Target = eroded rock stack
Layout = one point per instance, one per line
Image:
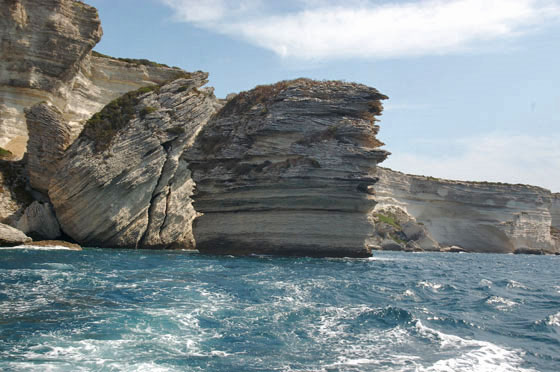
(286, 169)
(124, 182)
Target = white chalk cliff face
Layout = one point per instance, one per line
(46, 56)
(479, 217)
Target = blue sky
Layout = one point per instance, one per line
(474, 85)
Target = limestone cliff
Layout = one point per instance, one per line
(285, 169)
(49, 136)
(477, 216)
(555, 214)
(124, 182)
(45, 48)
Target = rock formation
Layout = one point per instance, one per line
(10, 236)
(555, 210)
(14, 197)
(396, 230)
(124, 182)
(476, 216)
(46, 56)
(49, 136)
(39, 222)
(54, 244)
(285, 169)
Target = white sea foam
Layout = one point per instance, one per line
(35, 248)
(55, 266)
(553, 320)
(150, 367)
(513, 284)
(433, 286)
(485, 283)
(409, 293)
(377, 258)
(474, 355)
(501, 303)
(376, 350)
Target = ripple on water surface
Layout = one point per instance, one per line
(173, 311)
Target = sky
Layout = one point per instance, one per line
(473, 85)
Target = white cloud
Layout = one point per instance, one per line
(213, 13)
(334, 28)
(497, 157)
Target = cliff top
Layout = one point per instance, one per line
(325, 90)
(137, 62)
(471, 183)
(103, 125)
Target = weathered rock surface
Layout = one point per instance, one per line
(479, 217)
(396, 230)
(55, 243)
(13, 195)
(45, 49)
(10, 236)
(285, 169)
(39, 221)
(42, 44)
(555, 215)
(49, 137)
(129, 186)
(42, 40)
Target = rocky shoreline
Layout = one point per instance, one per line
(123, 153)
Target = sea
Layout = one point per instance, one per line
(128, 310)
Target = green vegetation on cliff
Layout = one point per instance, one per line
(5, 154)
(390, 220)
(102, 126)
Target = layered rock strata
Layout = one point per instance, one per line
(49, 137)
(124, 182)
(479, 217)
(286, 169)
(46, 56)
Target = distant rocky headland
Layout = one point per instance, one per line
(123, 153)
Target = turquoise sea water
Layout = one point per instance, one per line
(105, 310)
